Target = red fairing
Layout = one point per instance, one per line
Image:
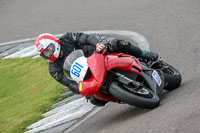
(97, 67)
(123, 62)
(99, 64)
(106, 97)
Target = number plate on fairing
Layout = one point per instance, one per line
(78, 69)
(156, 76)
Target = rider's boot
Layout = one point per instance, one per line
(97, 102)
(135, 51)
(128, 48)
(149, 55)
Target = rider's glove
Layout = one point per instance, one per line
(73, 86)
(100, 46)
(150, 55)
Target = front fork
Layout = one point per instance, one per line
(129, 82)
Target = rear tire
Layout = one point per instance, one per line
(125, 96)
(172, 78)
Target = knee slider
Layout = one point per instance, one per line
(123, 45)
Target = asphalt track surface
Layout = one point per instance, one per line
(172, 29)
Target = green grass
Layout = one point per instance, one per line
(26, 91)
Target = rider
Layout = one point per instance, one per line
(56, 50)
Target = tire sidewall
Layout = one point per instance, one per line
(127, 97)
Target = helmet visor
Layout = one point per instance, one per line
(48, 52)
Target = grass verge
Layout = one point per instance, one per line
(26, 91)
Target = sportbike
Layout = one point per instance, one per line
(122, 78)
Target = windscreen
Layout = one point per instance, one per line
(71, 58)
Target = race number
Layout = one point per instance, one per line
(156, 77)
(76, 69)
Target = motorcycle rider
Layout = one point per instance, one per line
(56, 50)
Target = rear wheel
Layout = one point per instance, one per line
(143, 98)
(172, 77)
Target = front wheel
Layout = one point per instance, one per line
(172, 77)
(143, 98)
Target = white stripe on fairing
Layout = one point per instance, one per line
(134, 36)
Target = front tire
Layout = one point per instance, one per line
(128, 97)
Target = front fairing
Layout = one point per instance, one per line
(96, 65)
(151, 81)
(99, 64)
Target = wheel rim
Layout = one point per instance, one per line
(144, 92)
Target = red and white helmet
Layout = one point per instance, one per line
(48, 46)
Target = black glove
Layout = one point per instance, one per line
(150, 56)
(73, 86)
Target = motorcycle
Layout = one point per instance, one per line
(121, 78)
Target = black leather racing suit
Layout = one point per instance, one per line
(87, 42)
